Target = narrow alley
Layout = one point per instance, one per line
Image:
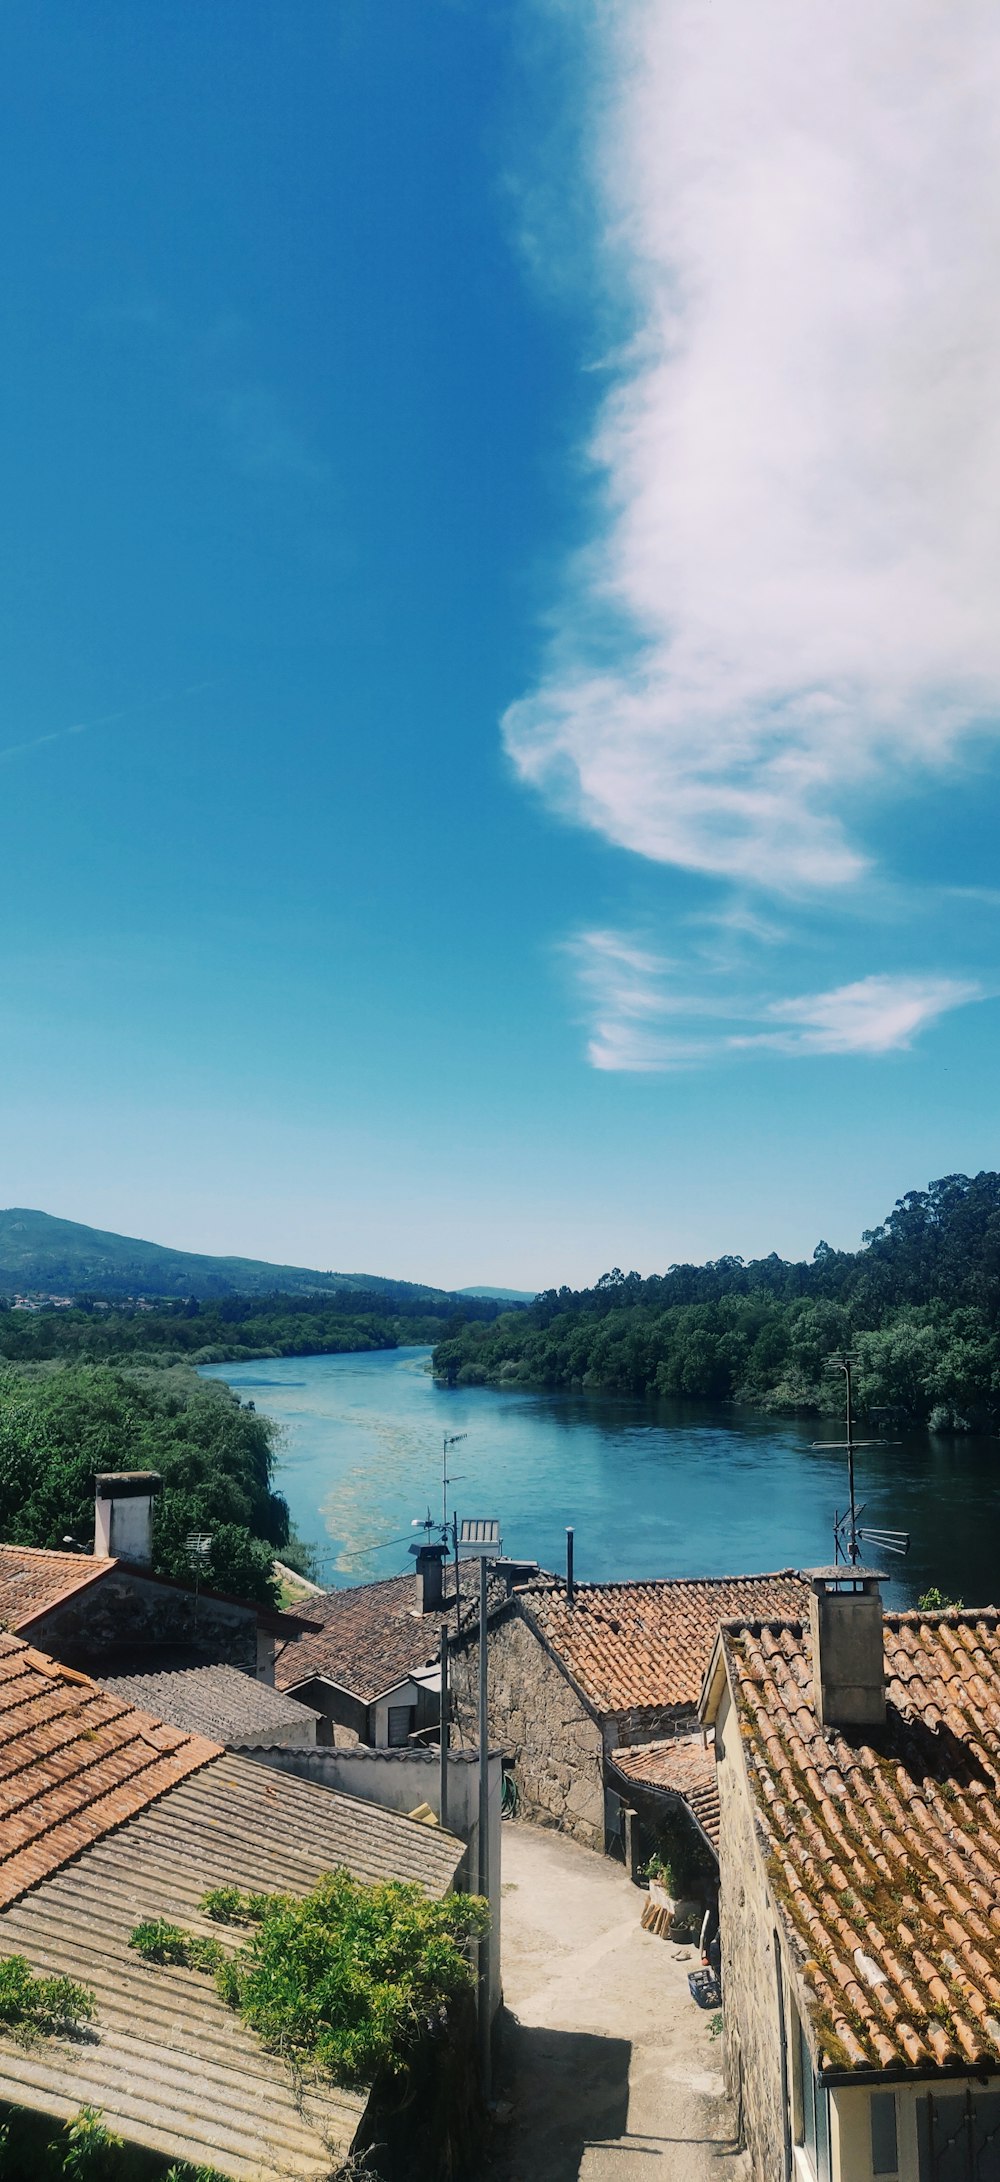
(611, 2069)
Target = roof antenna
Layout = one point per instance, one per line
(849, 1533)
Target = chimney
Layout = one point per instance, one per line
(430, 1573)
(848, 1657)
(123, 1515)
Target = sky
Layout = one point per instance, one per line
(500, 657)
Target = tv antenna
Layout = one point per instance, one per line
(849, 1533)
(451, 1439)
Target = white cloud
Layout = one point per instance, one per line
(875, 1015)
(790, 596)
(643, 1020)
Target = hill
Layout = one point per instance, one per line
(39, 1253)
(500, 1295)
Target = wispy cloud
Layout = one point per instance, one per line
(789, 596)
(644, 1018)
(106, 719)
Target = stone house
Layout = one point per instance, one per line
(105, 1610)
(580, 1671)
(369, 1664)
(858, 1768)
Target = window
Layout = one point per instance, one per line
(814, 2104)
(885, 2157)
(401, 1719)
(958, 2136)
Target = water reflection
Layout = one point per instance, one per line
(653, 1489)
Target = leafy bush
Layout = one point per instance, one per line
(345, 1977)
(31, 2003)
(159, 1941)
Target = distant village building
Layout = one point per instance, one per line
(372, 1666)
(858, 1769)
(109, 1816)
(577, 1674)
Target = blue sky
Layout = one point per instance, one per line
(498, 766)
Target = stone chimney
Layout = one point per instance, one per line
(123, 1515)
(848, 1656)
(430, 1578)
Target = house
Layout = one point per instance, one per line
(858, 1768)
(580, 1671)
(219, 1701)
(106, 1609)
(107, 1817)
(669, 1778)
(371, 1666)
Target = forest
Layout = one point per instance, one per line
(214, 1454)
(919, 1305)
(230, 1329)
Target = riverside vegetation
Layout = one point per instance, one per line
(919, 1304)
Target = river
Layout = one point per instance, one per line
(652, 1488)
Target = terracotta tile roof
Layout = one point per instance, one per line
(884, 1845)
(32, 1580)
(683, 1767)
(74, 1764)
(371, 1637)
(35, 1580)
(645, 1646)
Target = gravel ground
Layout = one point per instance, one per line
(610, 2069)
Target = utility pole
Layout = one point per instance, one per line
(486, 1944)
(848, 1533)
(451, 1439)
(444, 1737)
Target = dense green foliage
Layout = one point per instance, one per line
(214, 1454)
(29, 2003)
(228, 1329)
(920, 1304)
(345, 1976)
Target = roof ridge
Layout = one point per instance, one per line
(657, 1583)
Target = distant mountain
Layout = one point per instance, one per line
(60, 1257)
(500, 1295)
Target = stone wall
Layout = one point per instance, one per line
(539, 1722)
(752, 2024)
(126, 1616)
(645, 1724)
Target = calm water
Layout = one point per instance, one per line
(653, 1489)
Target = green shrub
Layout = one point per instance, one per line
(35, 2003)
(159, 1941)
(345, 1977)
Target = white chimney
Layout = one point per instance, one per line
(123, 1515)
(848, 1652)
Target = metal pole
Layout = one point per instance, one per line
(485, 2027)
(569, 1565)
(458, 1595)
(443, 1795)
(855, 1554)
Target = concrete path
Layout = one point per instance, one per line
(612, 2071)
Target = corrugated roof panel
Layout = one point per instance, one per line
(167, 2062)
